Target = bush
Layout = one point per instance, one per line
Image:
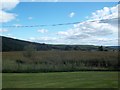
(29, 51)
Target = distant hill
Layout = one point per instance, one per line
(114, 47)
(10, 44)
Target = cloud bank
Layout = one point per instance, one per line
(102, 31)
(7, 5)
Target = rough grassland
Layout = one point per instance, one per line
(59, 61)
(61, 80)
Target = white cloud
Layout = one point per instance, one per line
(6, 5)
(44, 39)
(6, 17)
(32, 38)
(63, 33)
(72, 14)
(33, 0)
(42, 30)
(100, 32)
(3, 30)
(10, 35)
(30, 18)
(105, 13)
(55, 0)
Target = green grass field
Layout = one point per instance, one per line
(61, 80)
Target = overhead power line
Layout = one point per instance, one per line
(41, 25)
(60, 24)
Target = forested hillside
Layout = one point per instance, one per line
(10, 44)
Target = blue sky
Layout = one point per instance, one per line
(39, 13)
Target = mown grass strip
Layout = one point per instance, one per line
(61, 80)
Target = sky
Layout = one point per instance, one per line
(103, 31)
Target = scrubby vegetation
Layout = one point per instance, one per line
(51, 61)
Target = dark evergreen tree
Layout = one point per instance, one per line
(67, 47)
(100, 48)
(76, 48)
